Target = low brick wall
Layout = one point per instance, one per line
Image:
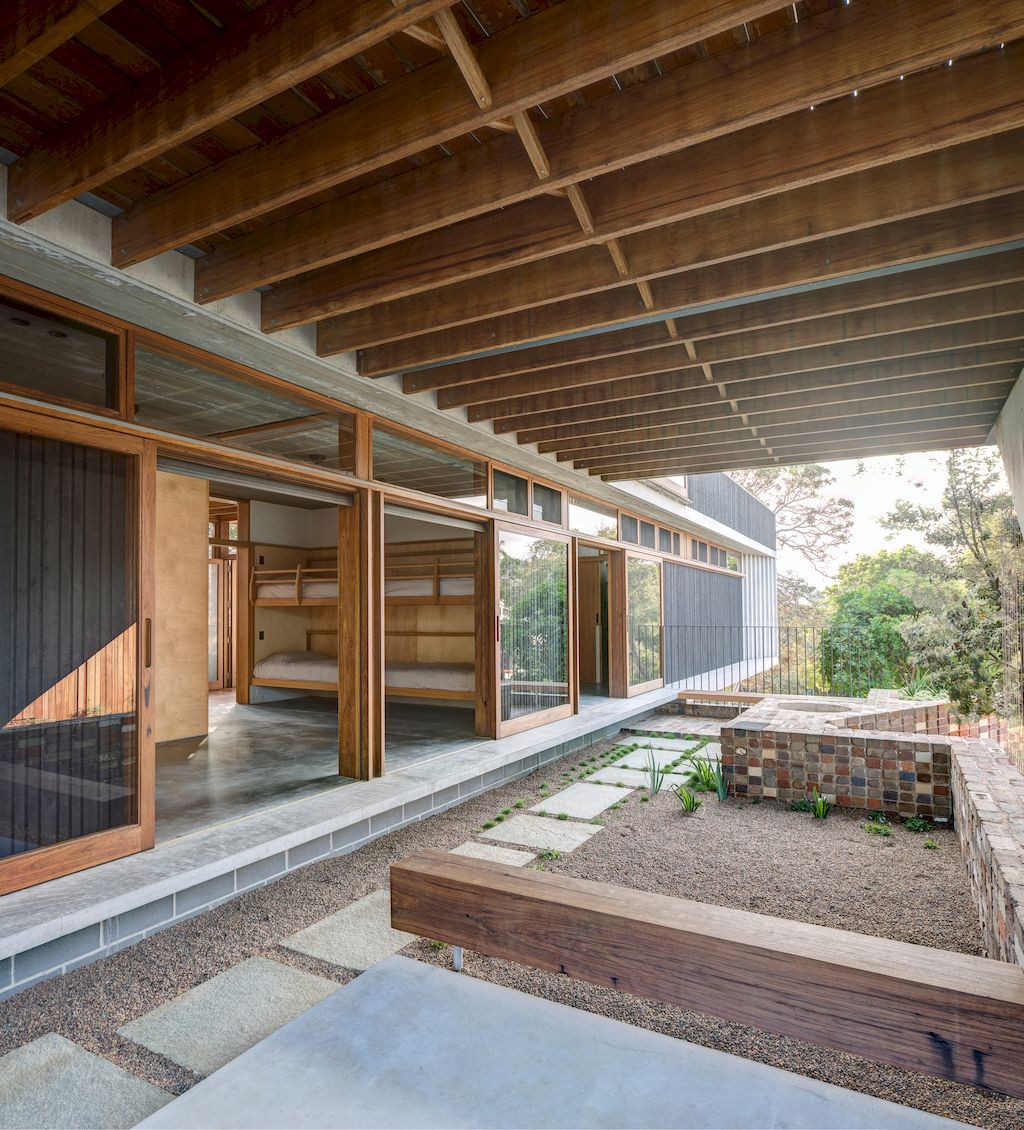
(907, 775)
(880, 753)
(988, 803)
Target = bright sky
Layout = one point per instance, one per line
(874, 491)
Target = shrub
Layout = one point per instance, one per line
(701, 775)
(931, 845)
(876, 829)
(802, 805)
(689, 800)
(917, 824)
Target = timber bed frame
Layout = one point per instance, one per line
(425, 564)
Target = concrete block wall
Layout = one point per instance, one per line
(87, 937)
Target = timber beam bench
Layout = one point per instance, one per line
(721, 696)
(950, 1015)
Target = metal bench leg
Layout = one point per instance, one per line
(457, 958)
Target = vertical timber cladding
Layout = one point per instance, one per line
(717, 496)
(703, 620)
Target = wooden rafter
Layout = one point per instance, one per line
(977, 170)
(860, 305)
(275, 47)
(552, 53)
(952, 231)
(864, 44)
(31, 29)
(786, 396)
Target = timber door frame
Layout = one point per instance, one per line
(45, 863)
(505, 728)
(651, 684)
(617, 626)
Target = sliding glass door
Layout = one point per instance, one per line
(534, 628)
(643, 608)
(76, 769)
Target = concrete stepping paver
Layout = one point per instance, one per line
(631, 778)
(542, 832)
(52, 1082)
(638, 759)
(356, 937)
(495, 854)
(209, 1025)
(581, 802)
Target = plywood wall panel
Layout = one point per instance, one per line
(180, 652)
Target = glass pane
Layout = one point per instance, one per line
(647, 535)
(592, 519)
(403, 462)
(68, 605)
(664, 540)
(177, 395)
(534, 617)
(643, 596)
(676, 545)
(44, 353)
(547, 504)
(510, 493)
(628, 528)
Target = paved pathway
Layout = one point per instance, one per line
(52, 1082)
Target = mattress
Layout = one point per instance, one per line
(285, 590)
(431, 676)
(424, 586)
(299, 666)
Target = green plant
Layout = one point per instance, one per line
(563, 816)
(551, 853)
(931, 845)
(689, 800)
(919, 686)
(917, 824)
(655, 773)
(820, 806)
(487, 824)
(878, 818)
(498, 818)
(876, 829)
(802, 805)
(542, 812)
(520, 804)
(436, 945)
(644, 799)
(701, 775)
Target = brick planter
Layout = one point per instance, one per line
(878, 754)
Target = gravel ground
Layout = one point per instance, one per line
(759, 857)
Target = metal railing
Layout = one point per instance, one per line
(773, 659)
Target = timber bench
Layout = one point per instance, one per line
(950, 1015)
(726, 697)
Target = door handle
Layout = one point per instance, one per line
(147, 643)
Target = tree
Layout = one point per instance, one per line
(799, 602)
(808, 519)
(863, 646)
(974, 523)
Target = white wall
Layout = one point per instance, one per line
(760, 608)
(1009, 434)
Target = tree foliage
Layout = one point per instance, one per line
(808, 519)
(937, 616)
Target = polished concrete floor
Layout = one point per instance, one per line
(258, 757)
(253, 758)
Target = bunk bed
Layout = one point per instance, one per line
(416, 575)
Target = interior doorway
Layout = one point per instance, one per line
(593, 576)
(220, 608)
(600, 623)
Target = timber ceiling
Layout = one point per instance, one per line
(649, 237)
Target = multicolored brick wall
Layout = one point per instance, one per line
(914, 767)
(988, 804)
(887, 772)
